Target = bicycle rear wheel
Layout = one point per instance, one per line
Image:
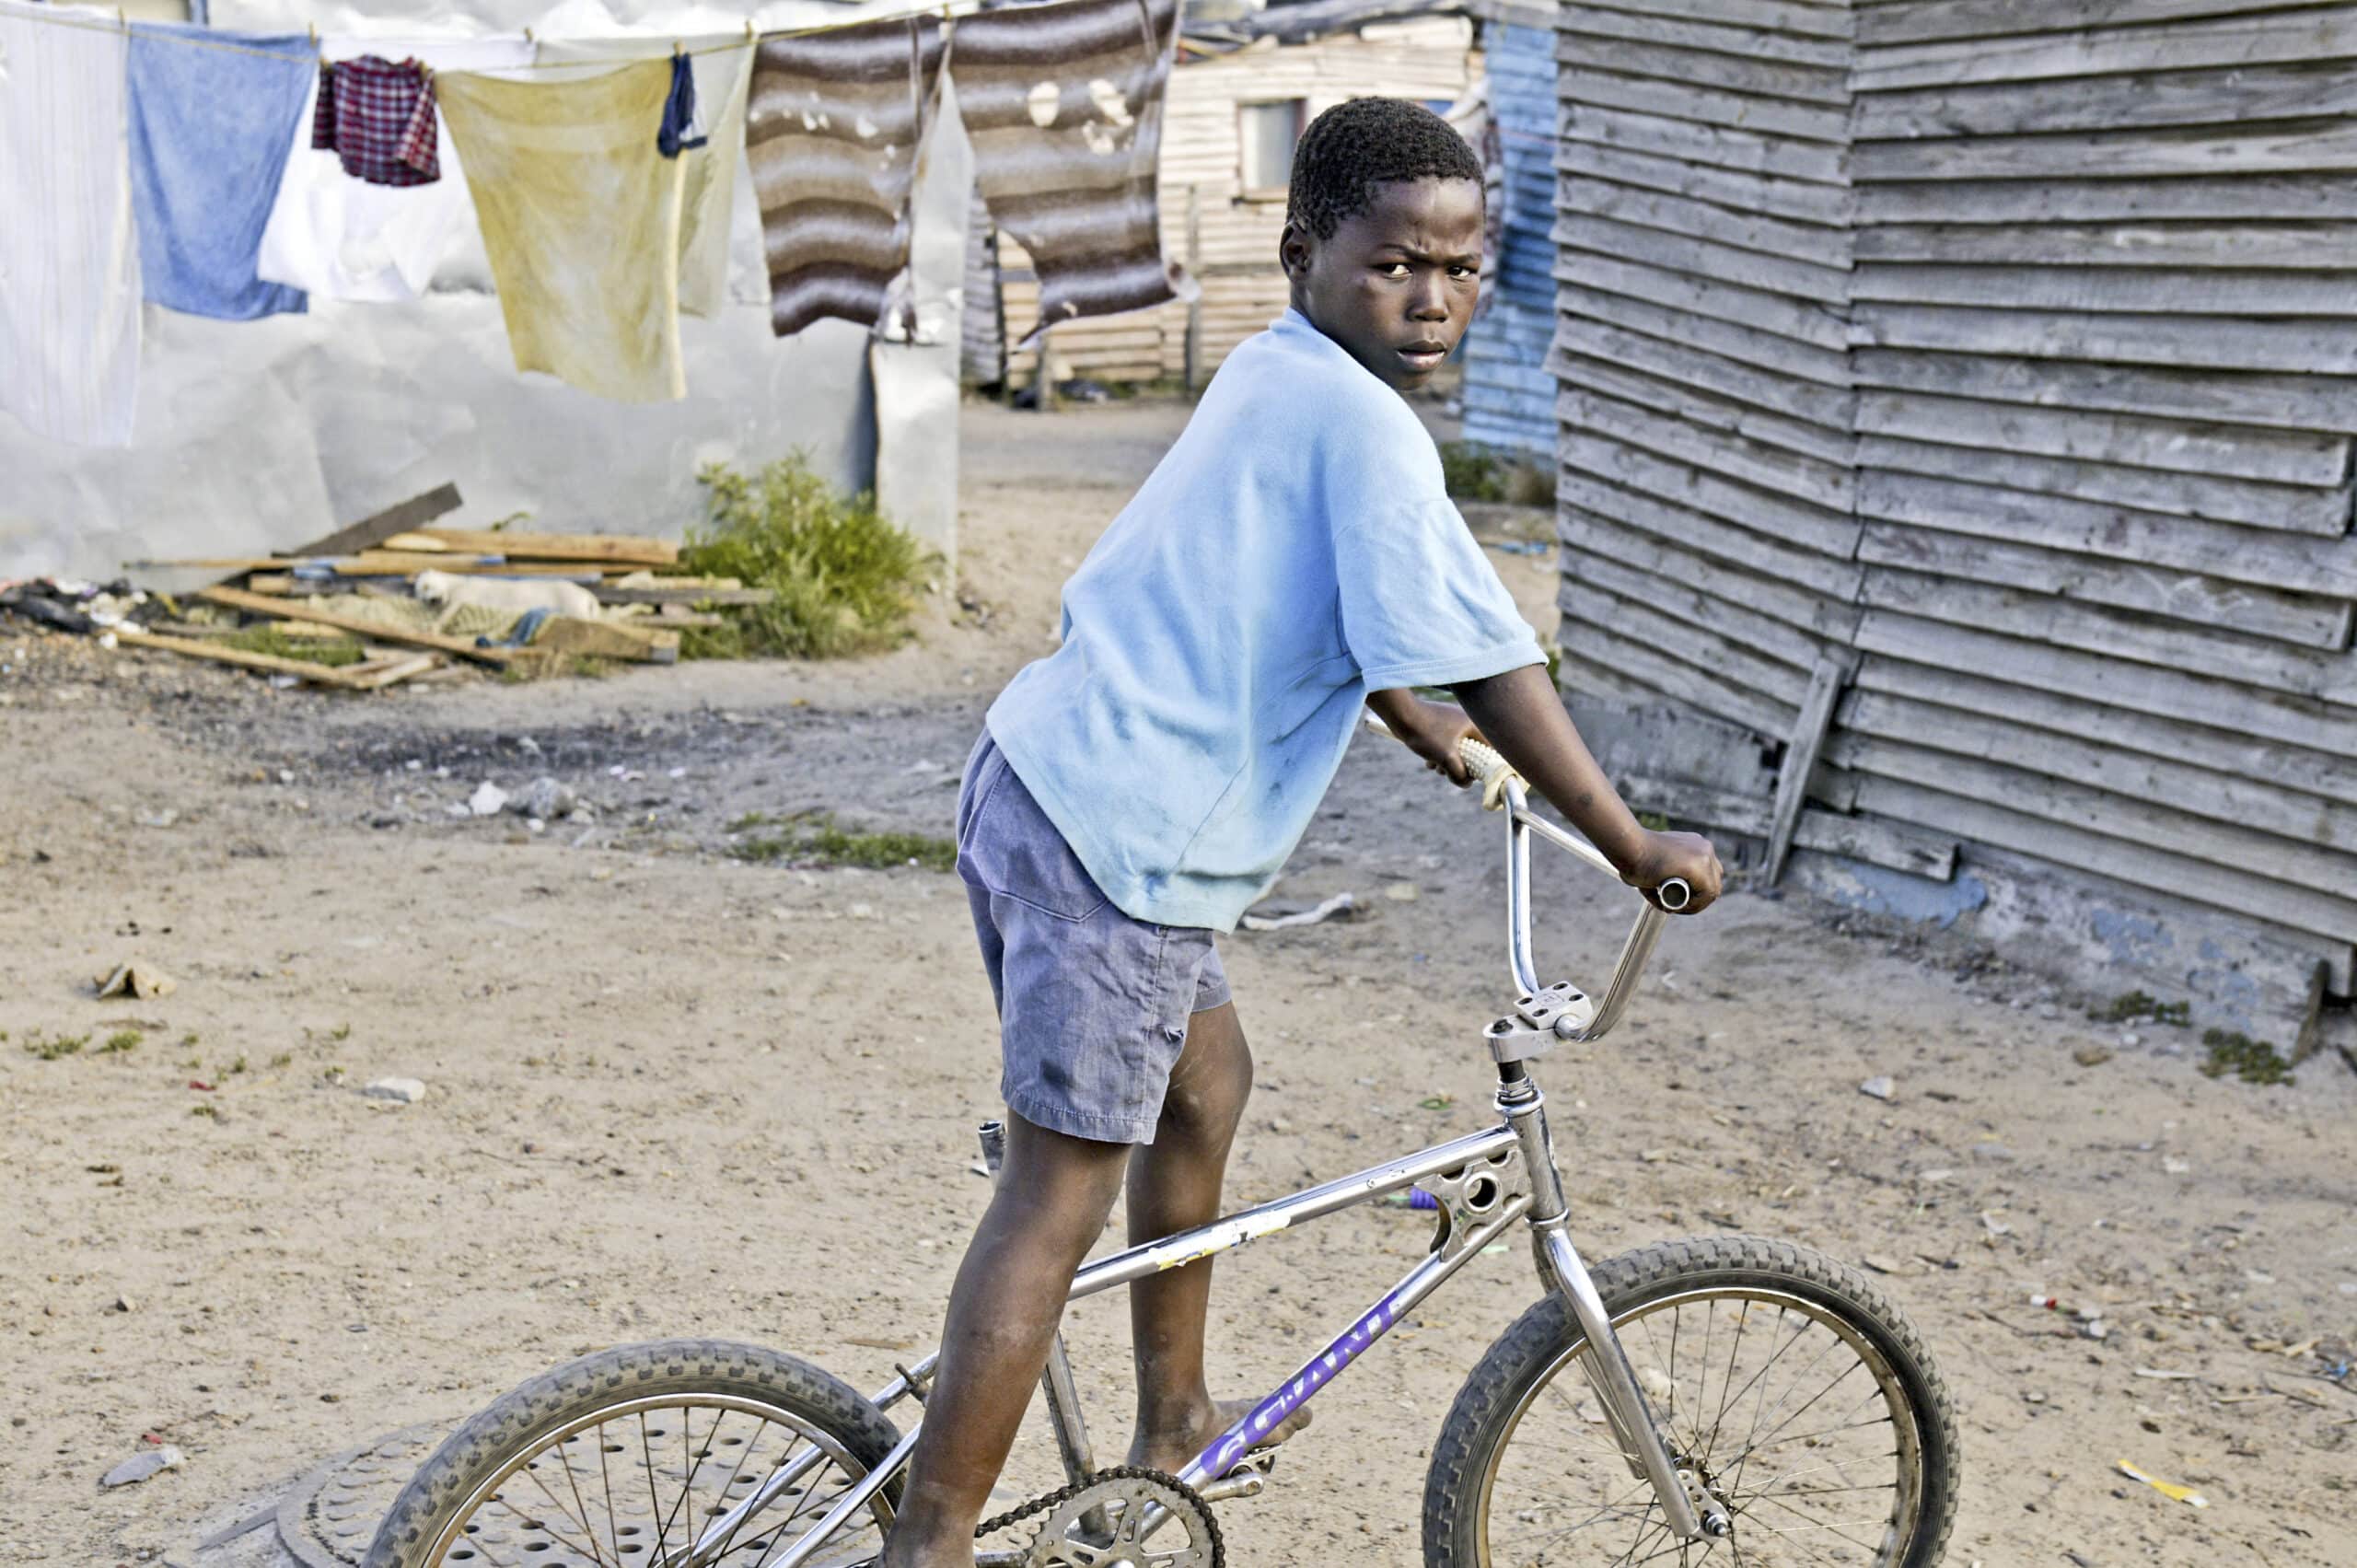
(622, 1458)
(1793, 1387)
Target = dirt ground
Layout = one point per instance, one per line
(671, 1092)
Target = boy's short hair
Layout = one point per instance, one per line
(1354, 147)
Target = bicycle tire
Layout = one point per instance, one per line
(427, 1525)
(1460, 1500)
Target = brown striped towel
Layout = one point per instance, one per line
(831, 132)
(1064, 104)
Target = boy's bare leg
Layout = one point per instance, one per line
(1053, 1195)
(1175, 1185)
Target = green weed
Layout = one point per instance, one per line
(207, 1109)
(331, 651)
(820, 841)
(283, 1058)
(2252, 1060)
(1472, 472)
(844, 577)
(2131, 1006)
(53, 1046)
(118, 1043)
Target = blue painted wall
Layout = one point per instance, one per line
(1509, 395)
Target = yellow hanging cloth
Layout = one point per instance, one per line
(580, 215)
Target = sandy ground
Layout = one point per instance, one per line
(672, 1093)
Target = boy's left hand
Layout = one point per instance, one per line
(1432, 730)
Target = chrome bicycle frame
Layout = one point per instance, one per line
(1221, 1470)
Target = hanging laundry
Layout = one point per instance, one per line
(378, 117)
(833, 134)
(209, 131)
(1064, 104)
(69, 309)
(338, 238)
(581, 216)
(723, 72)
(678, 132)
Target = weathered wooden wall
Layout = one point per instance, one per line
(1427, 58)
(1509, 392)
(1996, 356)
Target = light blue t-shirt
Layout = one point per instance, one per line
(1294, 549)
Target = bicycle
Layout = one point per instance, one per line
(1692, 1444)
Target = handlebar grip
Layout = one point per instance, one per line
(1481, 759)
(1674, 894)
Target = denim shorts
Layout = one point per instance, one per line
(1092, 1004)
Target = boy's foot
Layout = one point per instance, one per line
(1167, 1454)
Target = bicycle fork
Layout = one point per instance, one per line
(1607, 1363)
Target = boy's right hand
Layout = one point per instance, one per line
(1665, 856)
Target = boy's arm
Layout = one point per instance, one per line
(1519, 713)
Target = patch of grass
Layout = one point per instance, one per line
(331, 651)
(1531, 484)
(283, 1058)
(52, 1048)
(340, 1032)
(118, 1043)
(820, 841)
(210, 1111)
(844, 578)
(1472, 472)
(2131, 1006)
(2252, 1060)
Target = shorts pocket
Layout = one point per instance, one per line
(1012, 851)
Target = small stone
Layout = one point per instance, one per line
(2092, 1055)
(2171, 1165)
(1403, 892)
(2131, 1039)
(405, 1091)
(1991, 1151)
(487, 800)
(2048, 1012)
(1878, 1088)
(123, 1304)
(142, 1465)
(544, 798)
(1883, 1265)
(1653, 1157)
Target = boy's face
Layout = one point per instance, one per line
(1396, 285)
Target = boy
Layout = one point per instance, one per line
(1293, 557)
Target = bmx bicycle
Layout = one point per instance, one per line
(1737, 1399)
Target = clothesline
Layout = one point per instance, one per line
(56, 16)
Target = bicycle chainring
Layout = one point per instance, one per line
(1117, 1501)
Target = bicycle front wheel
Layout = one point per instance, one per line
(628, 1455)
(1792, 1389)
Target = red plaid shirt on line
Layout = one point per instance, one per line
(378, 117)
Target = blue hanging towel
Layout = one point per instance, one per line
(676, 134)
(210, 132)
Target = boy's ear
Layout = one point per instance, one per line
(1294, 248)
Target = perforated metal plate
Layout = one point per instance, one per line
(330, 1516)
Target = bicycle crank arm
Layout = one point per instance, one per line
(1615, 1381)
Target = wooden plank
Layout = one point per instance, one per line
(2191, 245)
(1829, 620)
(1878, 841)
(369, 532)
(1734, 620)
(2258, 804)
(2275, 147)
(2303, 619)
(2308, 457)
(2089, 678)
(1825, 683)
(1703, 690)
(1702, 410)
(2247, 661)
(1737, 61)
(1641, 620)
(1685, 802)
(2249, 872)
(295, 609)
(1582, 343)
(1580, 494)
(1705, 489)
(2233, 751)
(2323, 33)
(379, 674)
(2079, 199)
(1574, 675)
(1761, 15)
(2298, 403)
(607, 548)
(1723, 146)
(399, 564)
(1893, 488)
(607, 640)
(1816, 244)
(1814, 481)
(1804, 321)
(1701, 105)
(2148, 100)
(1923, 20)
(1771, 351)
(1736, 191)
(1716, 35)
(1702, 257)
(267, 664)
(2224, 344)
(2209, 292)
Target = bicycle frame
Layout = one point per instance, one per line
(1688, 1511)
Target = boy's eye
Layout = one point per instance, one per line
(1464, 272)
(1393, 269)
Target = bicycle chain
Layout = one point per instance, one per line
(1041, 1504)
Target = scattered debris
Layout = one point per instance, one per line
(403, 1091)
(135, 979)
(488, 799)
(544, 798)
(1403, 892)
(2168, 1489)
(2252, 1060)
(1280, 917)
(1878, 1088)
(140, 1466)
(2092, 1055)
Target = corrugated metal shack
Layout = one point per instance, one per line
(1955, 409)
(1244, 88)
(1509, 393)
